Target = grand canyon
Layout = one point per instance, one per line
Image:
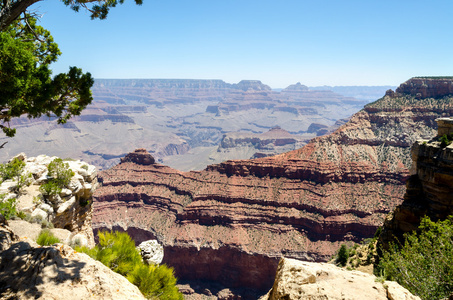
(188, 124)
(230, 223)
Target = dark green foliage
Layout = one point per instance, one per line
(117, 251)
(98, 9)
(155, 280)
(343, 255)
(11, 10)
(46, 238)
(445, 140)
(26, 86)
(424, 265)
(12, 169)
(377, 233)
(60, 176)
(7, 207)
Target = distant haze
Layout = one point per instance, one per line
(366, 93)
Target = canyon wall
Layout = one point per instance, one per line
(429, 188)
(301, 204)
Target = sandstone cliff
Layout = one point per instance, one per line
(429, 188)
(239, 217)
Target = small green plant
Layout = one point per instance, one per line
(445, 140)
(11, 169)
(117, 251)
(21, 215)
(23, 180)
(7, 207)
(50, 188)
(60, 176)
(343, 255)
(46, 238)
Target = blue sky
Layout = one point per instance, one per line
(317, 42)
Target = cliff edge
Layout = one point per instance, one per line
(429, 189)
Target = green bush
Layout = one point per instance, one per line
(46, 238)
(445, 140)
(50, 188)
(155, 281)
(60, 172)
(424, 265)
(11, 169)
(117, 251)
(7, 207)
(343, 255)
(60, 176)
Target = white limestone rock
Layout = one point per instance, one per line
(79, 240)
(46, 207)
(65, 192)
(58, 272)
(68, 204)
(306, 280)
(75, 185)
(7, 186)
(152, 252)
(39, 213)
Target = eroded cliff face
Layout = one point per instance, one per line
(429, 189)
(243, 215)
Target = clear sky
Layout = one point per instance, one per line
(280, 42)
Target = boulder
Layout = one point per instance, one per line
(39, 213)
(23, 229)
(305, 280)
(152, 252)
(68, 204)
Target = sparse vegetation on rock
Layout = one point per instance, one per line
(46, 238)
(7, 207)
(59, 175)
(117, 251)
(445, 140)
(424, 263)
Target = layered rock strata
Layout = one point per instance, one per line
(429, 189)
(231, 222)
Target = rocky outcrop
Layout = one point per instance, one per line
(429, 190)
(70, 209)
(303, 280)
(426, 87)
(28, 271)
(139, 156)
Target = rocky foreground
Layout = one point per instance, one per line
(297, 280)
(232, 222)
(29, 271)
